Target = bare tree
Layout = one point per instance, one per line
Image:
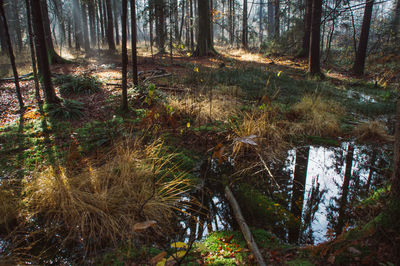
(314, 58)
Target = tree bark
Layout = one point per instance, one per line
(116, 26)
(11, 55)
(3, 43)
(17, 24)
(271, 20)
(85, 28)
(133, 43)
(41, 53)
(261, 22)
(314, 58)
(159, 12)
(101, 16)
(204, 41)
(110, 27)
(33, 54)
(52, 54)
(92, 23)
(245, 28)
(277, 18)
(244, 227)
(77, 24)
(124, 57)
(359, 63)
(305, 50)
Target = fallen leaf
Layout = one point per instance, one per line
(157, 258)
(143, 226)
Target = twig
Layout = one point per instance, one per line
(268, 170)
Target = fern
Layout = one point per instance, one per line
(67, 109)
(72, 84)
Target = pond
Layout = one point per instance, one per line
(310, 199)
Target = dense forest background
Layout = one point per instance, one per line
(222, 132)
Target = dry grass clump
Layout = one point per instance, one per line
(372, 131)
(320, 117)
(98, 206)
(205, 109)
(261, 126)
(8, 209)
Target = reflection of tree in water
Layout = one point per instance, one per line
(360, 169)
(314, 197)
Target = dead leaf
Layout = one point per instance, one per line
(143, 226)
(332, 259)
(247, 140)
(158, 257)
(354, 251)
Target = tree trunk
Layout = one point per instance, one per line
(11, 55)
(271, 20)
(85, 28)
(3, 43)
(277, 18)
(92, 23)
(313, 60)
(52, 54)
(245, 28)
(41, 53)
(110, 28)
(101, 16)
(78, 24)
(191, 27)
(133, 43)
(261, 22)
(305, 50)
(159, 11)
(33, 54)
(124, 57)
(359, 63)
(116, 15)
(204, 41)
(345, 190)
(17, 24)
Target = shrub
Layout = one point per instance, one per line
(73, 84)
(67, 109)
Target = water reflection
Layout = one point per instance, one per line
(326, 181)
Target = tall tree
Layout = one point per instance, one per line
(41, 53)
(314, 59)
(17, 24)
(11, 55)
(271, 20)
(76, 10)
(124, 57)
(52, 54)
(133, 42)
(261, 21)
(85, 27)
(110, 27)
(277, 18)
(205, 45)
(245, 27)
(159, 11)
(92, 22)
(33, 53)
(3, 43)
(359, 63)
(305, 49)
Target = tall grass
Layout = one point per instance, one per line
(98, 205)
(319, 116)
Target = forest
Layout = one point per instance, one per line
(199, 132)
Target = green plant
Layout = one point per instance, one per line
(67, 109)
(74, 84)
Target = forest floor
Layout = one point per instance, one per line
(212, 108)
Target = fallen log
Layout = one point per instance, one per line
(244, 227)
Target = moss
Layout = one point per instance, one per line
(299, 262)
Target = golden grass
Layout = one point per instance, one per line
(372, 131)
(263, 124)
(99, 205)
(203, 110)
(320, 117)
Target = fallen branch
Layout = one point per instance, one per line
(244, 227)
(20, 77)
(154, 77)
